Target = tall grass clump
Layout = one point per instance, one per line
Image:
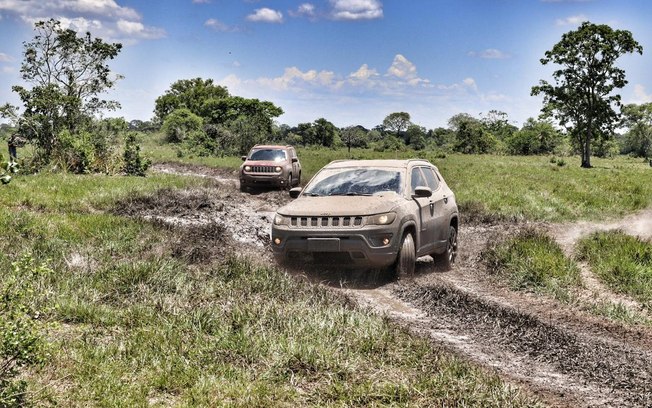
(622, 261)
(533, 261)
(22, 340)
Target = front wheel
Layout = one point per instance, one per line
(405, 264)
(447, 259)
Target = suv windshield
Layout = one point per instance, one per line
(268, 155)
(355, 182)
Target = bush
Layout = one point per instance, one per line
(134, 165)
(21, 343)
(75, 153)
(180, 123)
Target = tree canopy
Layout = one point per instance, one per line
(581, 97)
(67, 74)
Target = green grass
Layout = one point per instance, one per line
(490, 187)
(131, 324)
(533, 261)
(623, 262)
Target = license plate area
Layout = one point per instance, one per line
(324, 244)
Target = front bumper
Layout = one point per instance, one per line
(266, 179)
(359, 247)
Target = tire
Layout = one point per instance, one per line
(406, 260)
(243, 188)
(447, 259)
(298, 181)
(288, 185)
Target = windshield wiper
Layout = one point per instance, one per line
(350, 193)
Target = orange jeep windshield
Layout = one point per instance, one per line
(268, 155)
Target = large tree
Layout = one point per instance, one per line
(638, 139)
(190, 94)
(67, 73)
(581, 97)
(397, 122)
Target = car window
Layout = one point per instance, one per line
(267, 155)
(355, 182)
(417, 179)
(431, 178)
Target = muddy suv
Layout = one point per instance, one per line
(270, 165)
(370, 213)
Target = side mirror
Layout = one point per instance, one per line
(295, 160)
(294, 192)
(244, 158)
(422, 191)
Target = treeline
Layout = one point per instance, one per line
(203, 118)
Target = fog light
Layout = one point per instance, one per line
(277, 241)
(385, 241)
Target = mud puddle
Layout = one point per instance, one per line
(561, 353)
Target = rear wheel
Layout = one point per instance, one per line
(447, 259)
(405, 263)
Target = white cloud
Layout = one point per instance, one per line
(640, 96)
(490, 53)
(201, 1)
(363, 73)
(305, 10)
(103, 18)
(217, 25)
(5, 58)
(266, 15)
(572, 20)
(356, 9)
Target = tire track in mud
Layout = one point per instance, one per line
(564, 355)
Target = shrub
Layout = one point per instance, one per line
(21, 343)
(180, 123)
(134, 165)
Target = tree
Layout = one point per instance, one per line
(638, 139)
(471, 137)
(180, 124)
(396, 122)
(67, 73)
(415, 136)
(535, 137)
(354, 136)
(191, 94)
(581, 97)
(326, 133)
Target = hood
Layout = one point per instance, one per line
(263, 163)
(340, 206)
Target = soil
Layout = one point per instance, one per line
(558, 351)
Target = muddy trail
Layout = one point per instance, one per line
(560, 352)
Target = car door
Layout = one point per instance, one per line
(426, 240)
(438, 203)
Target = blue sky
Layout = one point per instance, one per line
(349, 61)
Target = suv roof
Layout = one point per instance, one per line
(271, 147)
(336, 164)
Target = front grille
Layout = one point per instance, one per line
(322, 222)
(262, 169)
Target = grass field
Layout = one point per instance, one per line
(623, 262)
(502, 187)
(131, 324)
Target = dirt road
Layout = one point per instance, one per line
(561, 352)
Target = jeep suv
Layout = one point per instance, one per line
(370, 213)
(270, 165)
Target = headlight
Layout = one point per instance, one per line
(279, 219)
(382, 219)
(278, 169)
(247, 168)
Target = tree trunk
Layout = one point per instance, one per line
(586, 148)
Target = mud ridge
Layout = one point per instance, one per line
(626, 370)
